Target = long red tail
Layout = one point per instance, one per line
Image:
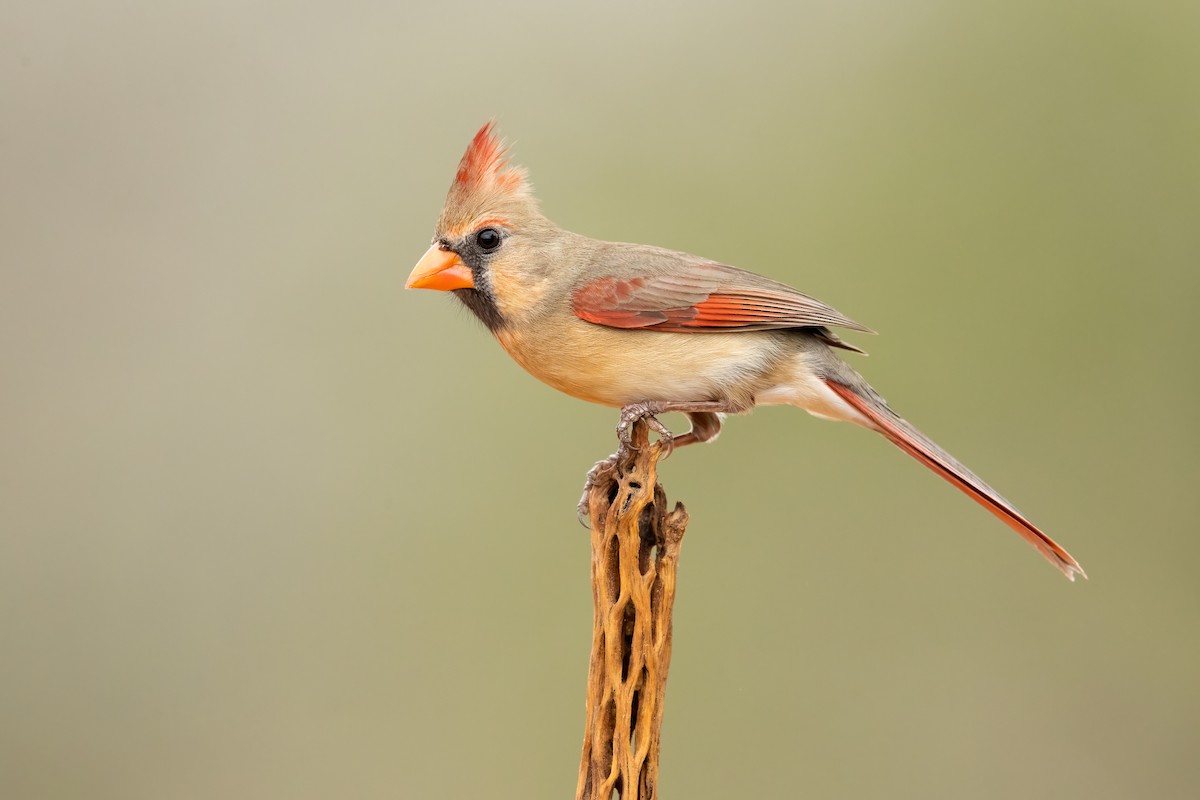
(920, 447)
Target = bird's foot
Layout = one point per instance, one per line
(596, 474)
(633, 412)
(603, 470)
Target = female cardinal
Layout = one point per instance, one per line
(650, 330)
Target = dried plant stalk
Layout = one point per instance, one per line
(635, 551)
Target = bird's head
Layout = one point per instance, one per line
(487, 238)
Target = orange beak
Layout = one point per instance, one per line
(440, 269)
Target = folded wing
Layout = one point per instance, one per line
(702, 297)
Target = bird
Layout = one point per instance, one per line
(650, 330)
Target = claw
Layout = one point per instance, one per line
(633, 412)
(630, 414)
(666, 439)
(583, 511)
(666, 443)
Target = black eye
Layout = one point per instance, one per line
(488, 239)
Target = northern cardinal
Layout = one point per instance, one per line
(650, 330)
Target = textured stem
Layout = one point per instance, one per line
(635, 551)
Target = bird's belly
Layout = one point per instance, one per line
(617, 367)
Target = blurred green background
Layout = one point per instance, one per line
(272, 527)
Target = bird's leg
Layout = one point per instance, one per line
(638, 411)
(706, 424)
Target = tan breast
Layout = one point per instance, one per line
(616, 367)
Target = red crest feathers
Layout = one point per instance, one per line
(484, 163)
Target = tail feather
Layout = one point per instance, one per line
(900, 433)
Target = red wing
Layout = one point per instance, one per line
(704, 297)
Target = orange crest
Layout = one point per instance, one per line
(483, 164)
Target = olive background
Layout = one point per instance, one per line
(271, 526)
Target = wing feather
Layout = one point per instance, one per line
(698, 297)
